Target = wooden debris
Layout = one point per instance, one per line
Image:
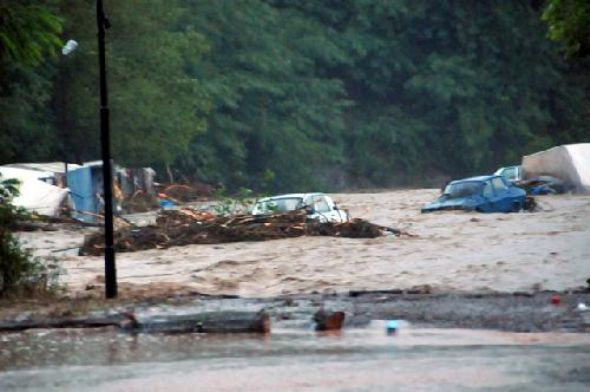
(209, 322)
(186, 226)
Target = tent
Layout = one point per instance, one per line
(570, 163)
(35, 195)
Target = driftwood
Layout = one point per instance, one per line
(210, 322)
(60, 322)
(185, 226)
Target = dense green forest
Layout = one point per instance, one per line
(291, 95)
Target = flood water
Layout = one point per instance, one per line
(364, 359)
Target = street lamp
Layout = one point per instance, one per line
(110, 271)
(67, 49)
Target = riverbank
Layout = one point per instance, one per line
(516, 312)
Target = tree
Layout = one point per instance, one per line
(299, 94)
(156, 106)
(29, 36)
(29, 32)
(273, 111)
(569, 23)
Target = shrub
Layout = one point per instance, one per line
(20, 272)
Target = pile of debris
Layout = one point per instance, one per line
(187, 226)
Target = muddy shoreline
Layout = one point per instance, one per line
(513, 312)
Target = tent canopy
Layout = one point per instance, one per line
(35, 195)
(570, 163)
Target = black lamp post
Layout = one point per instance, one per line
(110, 270)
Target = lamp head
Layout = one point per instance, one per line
(69, 47)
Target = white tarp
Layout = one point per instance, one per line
(35, 195)
(570, 163)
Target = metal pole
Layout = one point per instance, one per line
(107, 173)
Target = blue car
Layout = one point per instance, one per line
(484, 194)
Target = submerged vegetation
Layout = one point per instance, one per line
(279, 95)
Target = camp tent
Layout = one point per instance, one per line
(570, 163)
(35, 195)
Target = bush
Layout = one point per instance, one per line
(20, 272)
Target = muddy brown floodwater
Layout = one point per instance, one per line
(453, 251)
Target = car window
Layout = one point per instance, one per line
(487, 190)
(510, 173)
(463, 189)
(320, 204)
(279, 205)
(499, 184)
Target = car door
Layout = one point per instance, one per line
(322, 208)
(503, 200)
(332, 213)
(489, 198)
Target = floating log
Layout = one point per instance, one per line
(210, 322)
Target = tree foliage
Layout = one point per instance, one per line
(28, 32)
(156, 106)
(300, 94)
(29, 39)
(569, 22)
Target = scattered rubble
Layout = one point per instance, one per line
(187, 226)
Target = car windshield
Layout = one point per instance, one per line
(278, 205)
(463, 189)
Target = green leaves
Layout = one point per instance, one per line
(8, 189)
(28, 32)
(296, 95)
(157, 107)
(273, 110)
(569, 22)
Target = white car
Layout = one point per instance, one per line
(510, 173)
(318, 205)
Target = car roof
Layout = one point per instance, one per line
(292, 196)
(477, 179)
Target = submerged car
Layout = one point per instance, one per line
(538, 185)
(484, 194)
(319, 206)
(543, 185)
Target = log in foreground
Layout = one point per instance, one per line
(59, 322)
(186, 226)
(209, 322)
